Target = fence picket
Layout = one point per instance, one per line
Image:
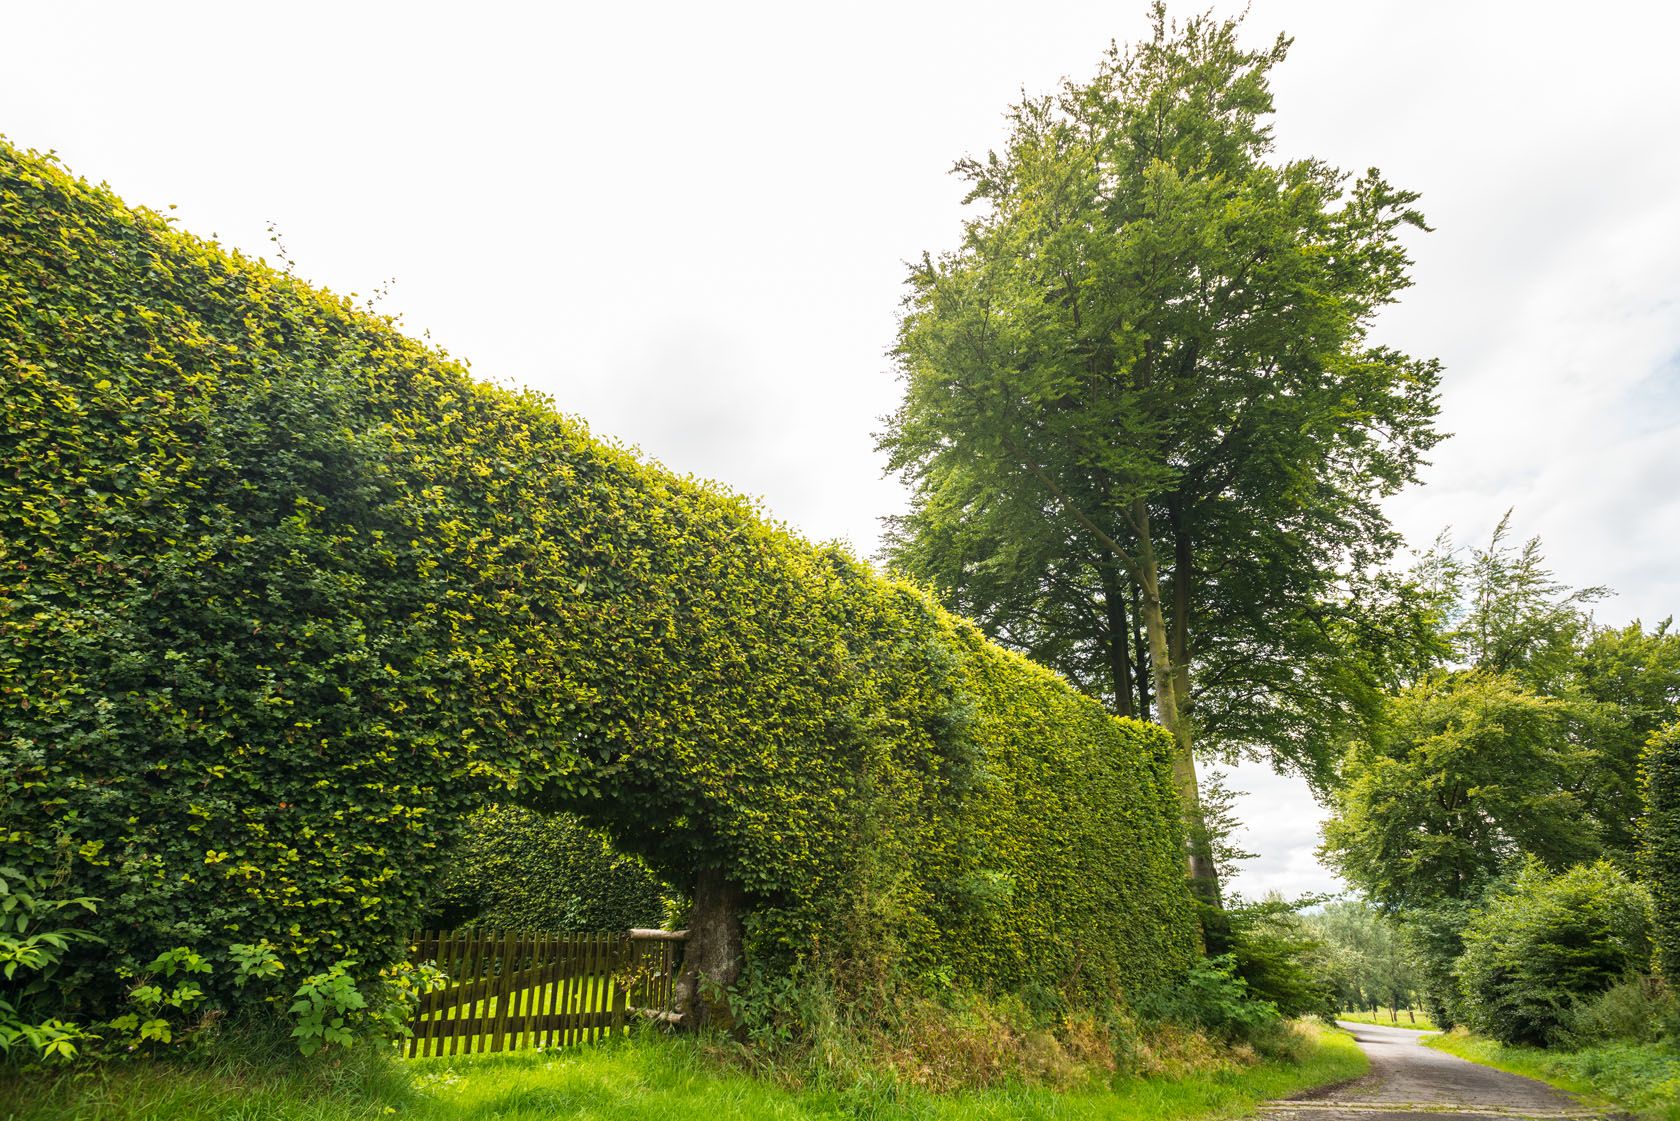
(458, 1012)
(446, 1011)
(522, 1005)
(562, 992)
(417, 942)
(603, 987)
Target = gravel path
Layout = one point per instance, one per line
(1408, 1080)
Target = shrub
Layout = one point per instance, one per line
(38, 925)
(167, 1004)
(1636, 1010)
(1213, 997)
(288, 596)
(1548, 943)
(1274, 954)
(515, 869)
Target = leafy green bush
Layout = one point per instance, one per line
(515, 869)
(1662, 846)
(1636, 1010)
(37, 927)
(288, 596)
(167, 1002)
(1213, 997)
(1275, 954)
(1548, 943)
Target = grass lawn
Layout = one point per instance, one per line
(648, 1079)
(1415, 1020)
(1641, 1077)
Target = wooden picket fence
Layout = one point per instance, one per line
(513, 990)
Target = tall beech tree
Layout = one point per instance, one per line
(1144, 425)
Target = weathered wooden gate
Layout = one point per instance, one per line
(513, 990)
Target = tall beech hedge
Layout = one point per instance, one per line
(286, 596)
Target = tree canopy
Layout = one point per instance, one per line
(1145, 425)
(1514, 751)
(1522, 739)
(1466, 773)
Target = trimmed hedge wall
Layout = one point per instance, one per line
(517, 869)
(288, 596)
(1662, 846)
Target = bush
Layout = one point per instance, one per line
(1213, 997)
(515, 869)
(38, 926)
(1547, 944)
(1636, 1010)
(1274, 954)
(288, 596)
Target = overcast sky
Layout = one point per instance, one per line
(688, 222)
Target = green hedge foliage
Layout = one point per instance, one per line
(517, 869)
(1662, 846)
(289, 595)
(1546, 944)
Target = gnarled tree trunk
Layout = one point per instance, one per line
(713, 956)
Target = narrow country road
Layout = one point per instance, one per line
(1408, 1080)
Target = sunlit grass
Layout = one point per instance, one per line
(646, 1079)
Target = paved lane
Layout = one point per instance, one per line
(1408, 1080)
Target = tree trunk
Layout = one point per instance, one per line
(1183, 581)
(1119, 659)
(1141, 661)
(712, 958)
(1183, 578)
(1204, 879)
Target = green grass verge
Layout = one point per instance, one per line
(1412, 1021)
(643, 1080)
(1643, 1078)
